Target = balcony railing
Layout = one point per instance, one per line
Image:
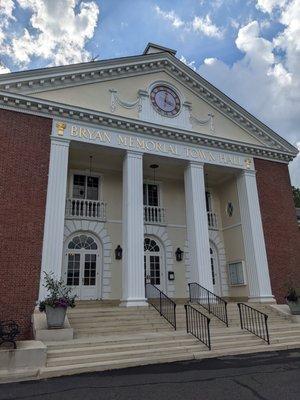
(86, 209)
(212, 220)
(154, 215)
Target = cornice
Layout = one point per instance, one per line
(49, 109)
(84, 73)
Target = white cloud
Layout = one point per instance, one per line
(190, 64)
(4, 69)
(269, 5)
(6, 15)
(58, 31)
(202, 25)
(170, 16)
(266, 80)
(206, 26)
(257, 49)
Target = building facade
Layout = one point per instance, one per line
(133, 170)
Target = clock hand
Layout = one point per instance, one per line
(166, 96)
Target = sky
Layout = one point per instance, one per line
(249, 49)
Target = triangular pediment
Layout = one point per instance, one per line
(93, 85)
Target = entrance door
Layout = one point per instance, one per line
(82, 267)
(153, 264)
(215, 270)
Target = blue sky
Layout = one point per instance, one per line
(250, 49)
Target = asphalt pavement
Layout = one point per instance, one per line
(263, 376)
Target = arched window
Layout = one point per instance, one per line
(150, 245)
(83, 242)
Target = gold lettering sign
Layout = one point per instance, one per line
(145, 144)
(90, 134)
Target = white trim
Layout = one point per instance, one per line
(162, 262)
(216, 239)
(99, 263)
(131, 66)
(55, 211)
(253, 237)
(97, 229)
(67, 113)
(161, 234)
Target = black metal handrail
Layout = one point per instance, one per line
(211, 302)
(254, 321)
(162, 303)
(198, 324)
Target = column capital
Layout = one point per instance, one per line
(134, 154)
(60, 141)
(196, 164)
(248, 172)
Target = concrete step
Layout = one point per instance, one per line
(109, 325)
(118, 347)
(145, 338)
(48, 372)
(124, 355)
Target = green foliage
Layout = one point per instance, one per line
(59, 294)
(296, 195)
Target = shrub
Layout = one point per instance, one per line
(59, 294)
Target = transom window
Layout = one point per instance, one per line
(83, 242)
(85, 187)
(150, 245)
(150, 192)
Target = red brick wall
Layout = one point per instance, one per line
(24, 160)
(282, 235)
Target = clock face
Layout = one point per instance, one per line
(165, 101)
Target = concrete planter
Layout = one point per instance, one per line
(55, 317)
(294, 307)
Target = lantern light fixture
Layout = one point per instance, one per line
(179, 254)
(118, 252)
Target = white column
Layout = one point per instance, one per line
(133, 281)
(197, 225)
(55, 211)
(254, 242)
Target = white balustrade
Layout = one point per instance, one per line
(212, 220)
(154, 215)
(86, 209)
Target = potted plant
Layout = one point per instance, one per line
(293, 300)
(56, 303)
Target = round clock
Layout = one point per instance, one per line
(165, 101)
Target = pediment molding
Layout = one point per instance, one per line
(27, 104)
(66, 76)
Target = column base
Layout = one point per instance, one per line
(133, 303)
(262, 299)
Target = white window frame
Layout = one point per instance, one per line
(86, 173)
(243, 271)
(211, 200)
(159, 190)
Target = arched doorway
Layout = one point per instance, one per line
(82, 266)
(215, 271)
(154, 263)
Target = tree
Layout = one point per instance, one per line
(296, 195)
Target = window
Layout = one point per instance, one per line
(85, 187)
(150, 194)
(208, 201)
(82, 242)
(236, 273)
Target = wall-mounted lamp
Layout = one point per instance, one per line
(118, 252)
(179, 254)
